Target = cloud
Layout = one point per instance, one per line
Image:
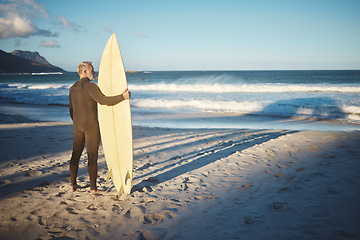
(108, 30)
(64, 23)
(30, 8)
(14, 25)
(50, 44)
(140, 34)
(18, 17)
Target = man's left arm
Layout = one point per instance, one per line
(71, 106)
(99, 97)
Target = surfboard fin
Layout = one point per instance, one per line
(127, 177)
(110, 175)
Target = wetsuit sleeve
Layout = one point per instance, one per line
(98, 96)
(70, 106)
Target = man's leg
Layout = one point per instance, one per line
(92, 147)
(78, 146)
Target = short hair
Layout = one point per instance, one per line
(82, 66)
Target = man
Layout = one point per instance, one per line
(83, 98)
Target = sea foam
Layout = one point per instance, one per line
(251, 88)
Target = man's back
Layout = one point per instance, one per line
(83, 108)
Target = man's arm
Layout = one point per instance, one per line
(70, 106)
(99, 97)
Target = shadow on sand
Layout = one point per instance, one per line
(22, 151)
(197, 159)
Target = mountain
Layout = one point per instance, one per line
(10, 63)
(32, 56)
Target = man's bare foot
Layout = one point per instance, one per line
(73, 188)
(96, 191)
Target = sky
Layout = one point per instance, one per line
(162, 35)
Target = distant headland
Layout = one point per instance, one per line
(25, 62)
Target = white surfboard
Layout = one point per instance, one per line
(115, 121)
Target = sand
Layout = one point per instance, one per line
(188, 184)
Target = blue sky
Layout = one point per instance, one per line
(188, 35)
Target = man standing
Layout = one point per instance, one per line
(83, 98)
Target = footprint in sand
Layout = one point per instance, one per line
(5, 181)
(135, 212)
(13, 164)
(146, 166)
(71, 211)
(153, 217)
(60, 194)
(171, 214)
(283, 190)
(155, 233)
(91, 207)
(291, 177)
(278, 205)
(116, 208)
(32, 173)
(248, 220)
(205, 174)
(246, 186)
(46, 183)
(198, 198)
(300, 169)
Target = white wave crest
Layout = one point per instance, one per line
(352, 112)
(48, 73)
(317, 110)
(204, 105)
(39, 86)
(351, 109)
(251, 88)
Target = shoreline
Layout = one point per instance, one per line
(59, 113)
(188, 184)
(49, 73)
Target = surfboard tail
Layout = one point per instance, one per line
(121, 191)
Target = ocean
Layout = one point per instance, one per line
(297, 100)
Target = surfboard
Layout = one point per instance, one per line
(115, 121)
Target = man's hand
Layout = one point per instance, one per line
(126, 93)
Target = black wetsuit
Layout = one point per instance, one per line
(83, 98)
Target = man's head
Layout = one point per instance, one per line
(85, 69)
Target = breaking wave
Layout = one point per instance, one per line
(251, 88)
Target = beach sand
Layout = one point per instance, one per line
(188, 184)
